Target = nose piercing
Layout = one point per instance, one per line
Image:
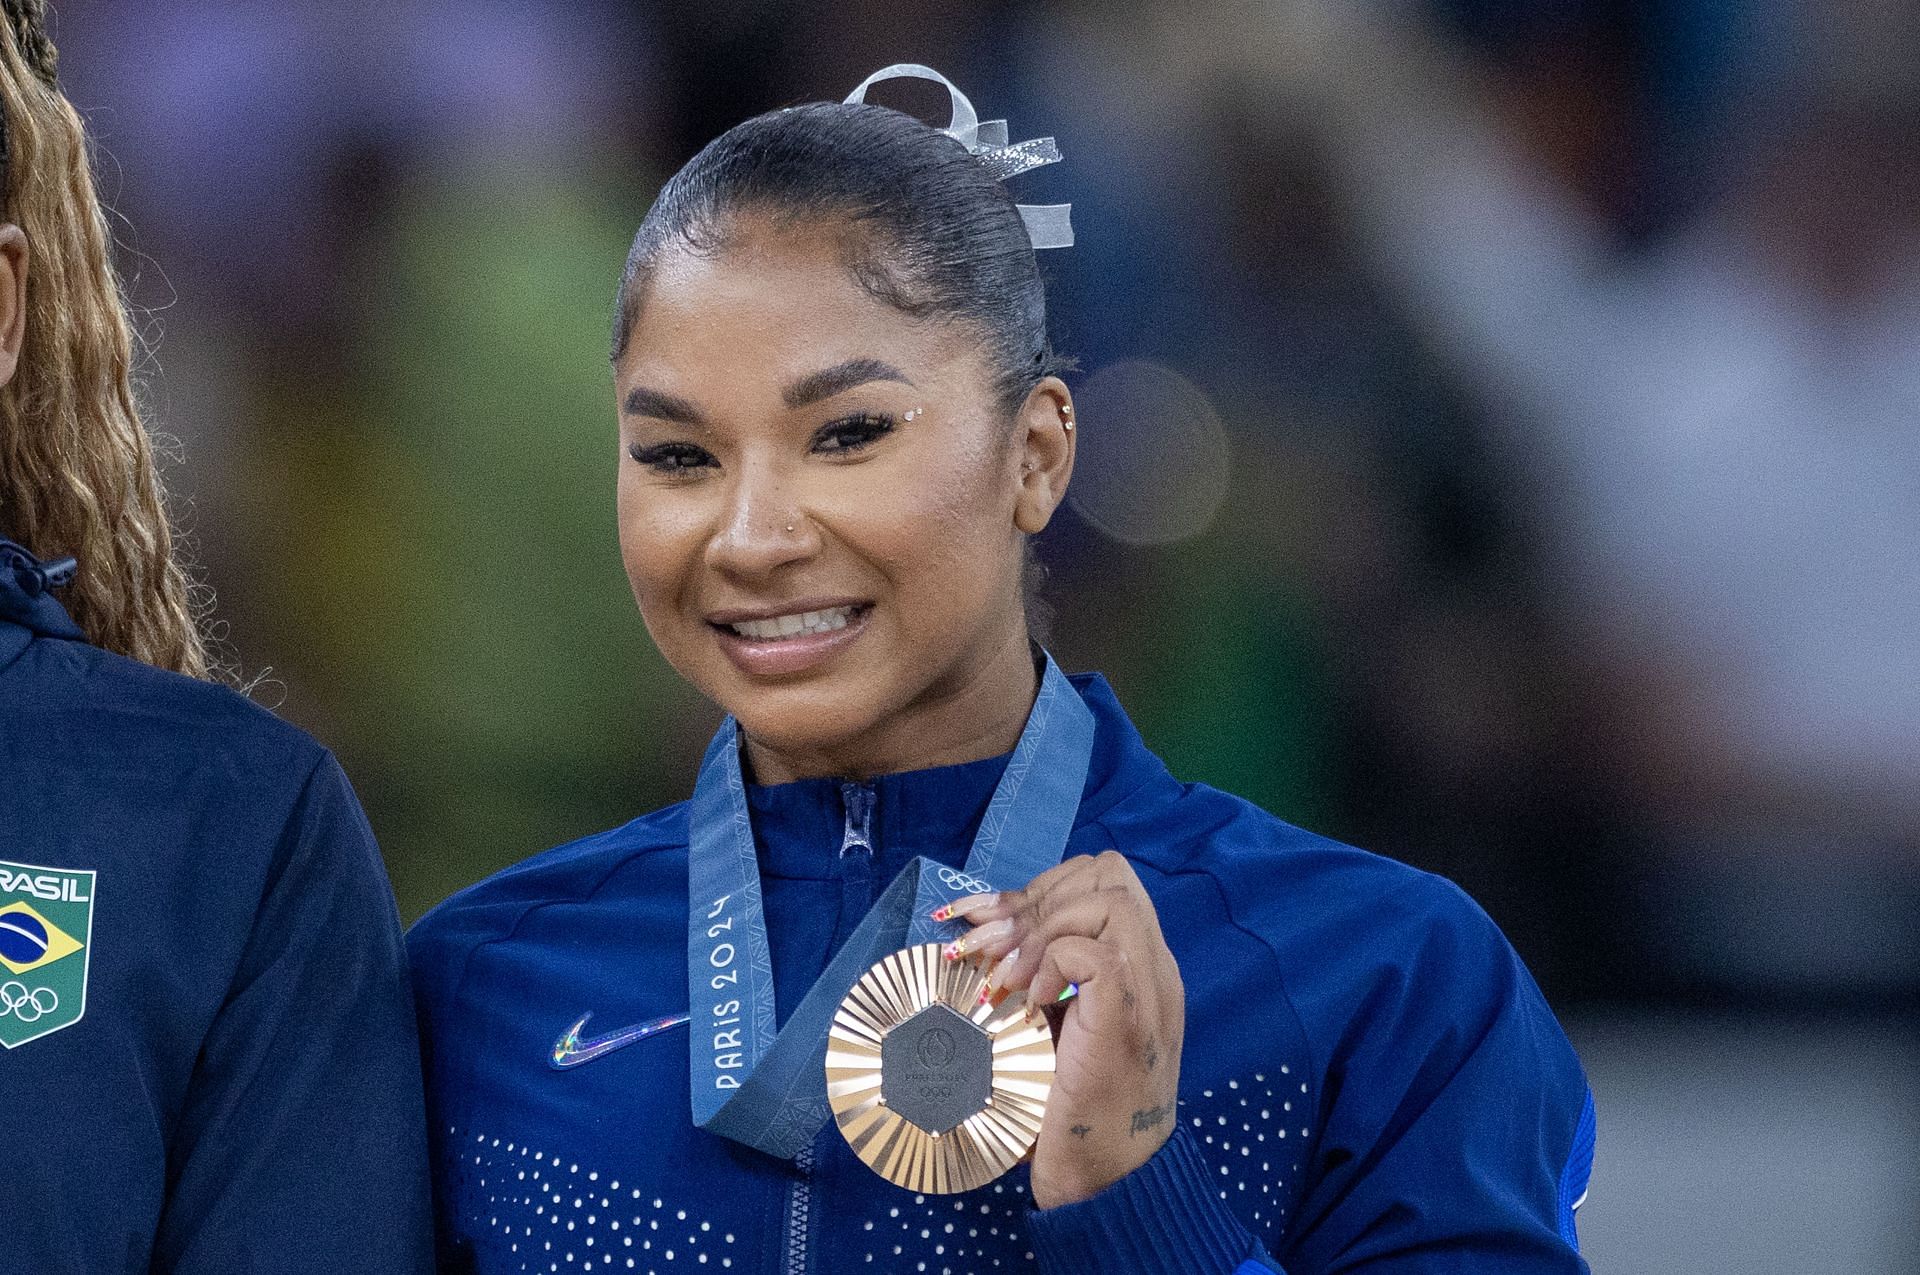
(789, 528)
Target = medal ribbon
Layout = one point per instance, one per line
(767, 1088)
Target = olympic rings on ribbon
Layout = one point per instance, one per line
(15, 999)
(954, 879)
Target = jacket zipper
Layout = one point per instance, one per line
(799, 1213)
(858, 800)
(856, 837)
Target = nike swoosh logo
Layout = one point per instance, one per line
(572, 1049)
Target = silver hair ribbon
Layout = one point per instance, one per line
(1048, 225)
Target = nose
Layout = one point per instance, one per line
(762, 527)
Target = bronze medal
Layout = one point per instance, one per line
(933, 1090)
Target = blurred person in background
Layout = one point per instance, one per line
(209, 1057)
(1715, 389)
(839, 426)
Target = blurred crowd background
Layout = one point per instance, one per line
(1499, 451)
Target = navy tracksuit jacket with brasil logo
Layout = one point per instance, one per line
(207, 1055)
(1371, 1082)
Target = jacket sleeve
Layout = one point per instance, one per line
(1456, 1123)
(301, 1147)
(1164, 1218)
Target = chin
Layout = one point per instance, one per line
(802, 715)
(797, 725)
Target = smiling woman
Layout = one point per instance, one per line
(1212, 1041)
(861, 469)
(898, 434)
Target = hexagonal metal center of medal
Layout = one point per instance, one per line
(936, 1069)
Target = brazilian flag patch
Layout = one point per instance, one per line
(46, 929)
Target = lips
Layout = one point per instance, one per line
(797, 639)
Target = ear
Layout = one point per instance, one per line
(1046, 430)
(13, 298)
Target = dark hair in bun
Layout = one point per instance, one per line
(942, 238)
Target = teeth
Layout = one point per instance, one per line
(785, 626)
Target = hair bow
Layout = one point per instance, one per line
(1048, 225)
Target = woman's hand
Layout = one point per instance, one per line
(1088, 923)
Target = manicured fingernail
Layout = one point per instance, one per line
(1067, 993)
(997, 973)
(968, 944)
(967, 905)
(942, 912)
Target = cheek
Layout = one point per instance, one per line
(659, 543)
(941, 529)
(970, 505)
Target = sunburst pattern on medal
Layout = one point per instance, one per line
(984, 1145)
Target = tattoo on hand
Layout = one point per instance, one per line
(1150, 1118)
(1081, 1130)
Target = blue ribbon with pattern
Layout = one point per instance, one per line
(766, 1088)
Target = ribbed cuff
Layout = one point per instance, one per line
(1164, 1218)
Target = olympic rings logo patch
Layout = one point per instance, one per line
(954, 879)
(27, 1006)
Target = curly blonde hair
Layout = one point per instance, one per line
(76, 464)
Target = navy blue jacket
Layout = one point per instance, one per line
(1371, 1081)
(190, 892)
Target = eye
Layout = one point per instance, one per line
(851, 434)
(672, 459)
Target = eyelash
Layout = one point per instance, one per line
(672, 460)
(866, 428)
(853, 434)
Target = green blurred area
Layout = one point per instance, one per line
(451, 505)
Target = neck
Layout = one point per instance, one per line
(978, 713)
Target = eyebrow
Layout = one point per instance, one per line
(809, 389)
(840, 378)
(641, 401)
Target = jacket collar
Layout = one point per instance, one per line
(799, 827)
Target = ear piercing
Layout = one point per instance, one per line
(1066, 417)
